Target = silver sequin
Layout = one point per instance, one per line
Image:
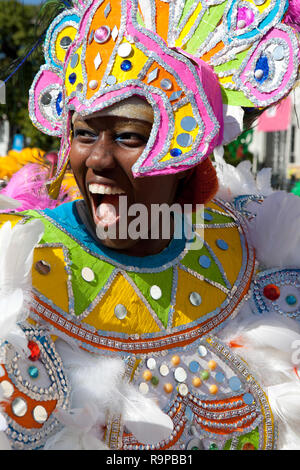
(180, 374)
(19, 407)
(74, 61)
(120, 311)
(155, 292)
(195, 299)
(188, 123)
(40, 414)
(184, 140)
(87, 274)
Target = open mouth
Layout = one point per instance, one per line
(105, 202)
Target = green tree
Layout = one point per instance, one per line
(21, 27)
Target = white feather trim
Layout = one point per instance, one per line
(4, 442)
(16, 248)
(275, 231)
(99, 380)
(239, 180)
(267, 347)
(8, 203)
(285, 403)
(144, 418)
(3, 423)
(17, 256)
(233, 122)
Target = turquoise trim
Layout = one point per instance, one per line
(67, 218)
(264, 24)
(66, 19)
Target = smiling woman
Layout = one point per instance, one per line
(104, 148)
(139, 337)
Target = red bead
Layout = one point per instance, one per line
(271, 291)
(35, 351)
(248, 446)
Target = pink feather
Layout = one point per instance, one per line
(28, 185)
(292, 17)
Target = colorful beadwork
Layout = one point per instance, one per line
(283, 299)
(30, 416)
(220, 418)
(177, 276)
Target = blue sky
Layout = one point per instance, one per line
(31, 2)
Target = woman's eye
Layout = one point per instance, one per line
(84, 134)
(131, 139)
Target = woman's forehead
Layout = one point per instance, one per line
(130, 108)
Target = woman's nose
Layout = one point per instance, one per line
(101, 156)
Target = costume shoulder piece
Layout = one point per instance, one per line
(33, 388)
(209, 393)
(112, 302)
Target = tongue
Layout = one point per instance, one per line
(108, 211)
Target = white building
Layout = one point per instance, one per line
(280, 149)
(4, 137)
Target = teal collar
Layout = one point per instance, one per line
(66, 217)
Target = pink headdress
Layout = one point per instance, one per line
(195, 62)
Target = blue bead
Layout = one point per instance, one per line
(194, 366)
(291, 299)
(222, 244)
(72, 78)
(235, 384)
(126, 65)
(175, 152)
(207, 216)
(33, 372)
(262, 64)
(220, 377)
(204, 261)
(58, 103)
(248, 398)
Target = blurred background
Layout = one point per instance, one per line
(273, 142)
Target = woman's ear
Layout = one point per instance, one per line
(184, 174)
(199, 186)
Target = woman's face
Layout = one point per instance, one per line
(102, 153)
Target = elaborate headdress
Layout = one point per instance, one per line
(196, 62)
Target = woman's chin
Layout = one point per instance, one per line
(117, 244)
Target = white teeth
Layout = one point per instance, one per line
(103, 189)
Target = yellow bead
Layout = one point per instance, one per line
(147, 375)
(212, 364)
(175, 360)
(168, 388)
(197, 381)
(213, 389)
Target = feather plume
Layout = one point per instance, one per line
(16, 262)
(144, 419)
(284, 399)
(235, 181)
(233, 122)
(8, 203)
(4, 443)
(275, 231)
(28, 187)
(100, 381)
(292, 17)
(82, 430)
(15, 277)
(266, 344)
